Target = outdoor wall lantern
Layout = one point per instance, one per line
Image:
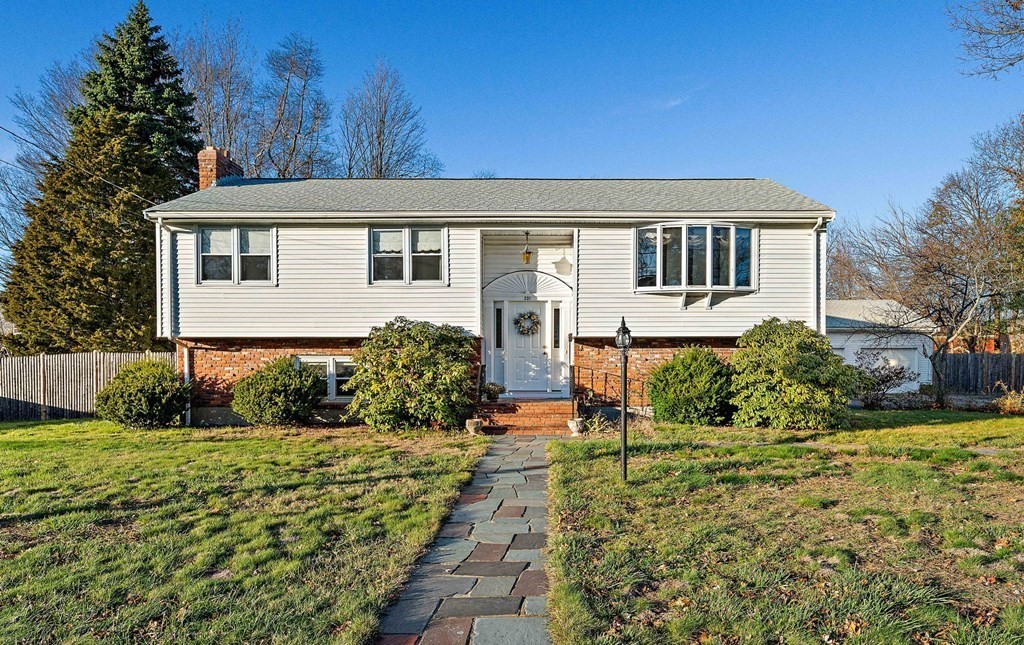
(563, 266)
(623, 340)
(527, 253)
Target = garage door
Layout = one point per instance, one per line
(905, 357)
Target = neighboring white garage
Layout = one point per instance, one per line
(853, 325)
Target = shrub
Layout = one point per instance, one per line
(1011, 401)
(787, 377)
(144, 394)
(413, 374)
(694, 387)
(880, 378)
(279, 393)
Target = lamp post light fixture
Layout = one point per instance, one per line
(623, 340)
(527, 253)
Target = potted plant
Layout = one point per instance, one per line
(492, 391)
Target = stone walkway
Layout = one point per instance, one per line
(483, 580)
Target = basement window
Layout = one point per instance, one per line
(701, 257)
(335, 374)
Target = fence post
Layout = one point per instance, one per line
(42, 388)
(95, 380)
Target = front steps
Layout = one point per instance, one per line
(525, 416)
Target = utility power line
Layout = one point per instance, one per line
(76, 167)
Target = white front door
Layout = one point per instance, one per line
(527, 366)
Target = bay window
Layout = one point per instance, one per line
(694, 257)
(235, 255)
(406, 255)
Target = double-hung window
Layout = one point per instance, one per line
(335, 373)
(407, 255)
(694, 257)
(235, 255)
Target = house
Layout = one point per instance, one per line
(886, 327)
(253, 269)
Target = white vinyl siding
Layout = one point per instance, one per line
(503, 254)
(165, 284)
(784, 266)
(322, 289)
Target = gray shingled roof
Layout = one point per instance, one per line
(491, 195)
(866, 314)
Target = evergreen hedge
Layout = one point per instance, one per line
(279, 393)
(694, 387)
(787, 377)
(412, 374)
(144, 394)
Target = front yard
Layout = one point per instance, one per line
(889, 532)
(214, 534)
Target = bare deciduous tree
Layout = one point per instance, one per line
(993, 34)
(293, 137)
(382, 135)
(944, 264)
(219, 65)
(43, 121)
(846, 278)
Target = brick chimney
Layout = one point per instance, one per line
(216, 164)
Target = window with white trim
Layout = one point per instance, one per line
(335, 373)
(240, 254)
(694, 257)
(407, 255)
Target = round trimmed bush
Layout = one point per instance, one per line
(694, 387)
(787, 377)
(279, 393)
(412, 374)
(144, 394)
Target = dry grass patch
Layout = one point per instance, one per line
(786, 543)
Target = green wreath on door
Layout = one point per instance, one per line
(527, 323)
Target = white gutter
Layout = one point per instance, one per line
(497, 217)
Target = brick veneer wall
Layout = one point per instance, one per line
(598, 363)
(217, 364)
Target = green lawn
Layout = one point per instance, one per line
(214, 534)
(911, 539)
(921, 428)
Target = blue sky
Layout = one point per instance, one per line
(852, 103)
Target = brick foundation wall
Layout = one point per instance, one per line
(598, 363)
(217, 364)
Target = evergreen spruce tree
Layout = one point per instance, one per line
(136, 75)
(83, 276)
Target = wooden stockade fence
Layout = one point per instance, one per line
(979, 373)
(59, 386)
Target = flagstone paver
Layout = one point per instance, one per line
(483, 580)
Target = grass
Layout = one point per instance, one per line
(214, 534)
(920, 428)
(912, 539)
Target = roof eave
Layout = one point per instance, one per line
(474, 216)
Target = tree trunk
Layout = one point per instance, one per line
(938, 361)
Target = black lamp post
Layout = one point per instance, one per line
(623, 339)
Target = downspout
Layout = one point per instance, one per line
(816, 248)
(167, 292)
